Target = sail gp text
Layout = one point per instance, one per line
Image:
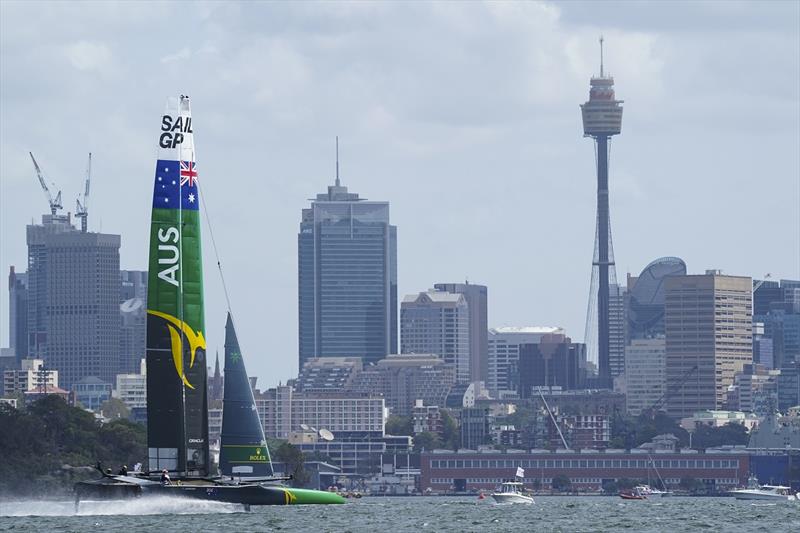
(174, 130)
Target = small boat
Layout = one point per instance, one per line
(511, 492)
(755, 491)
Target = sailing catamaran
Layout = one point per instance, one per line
(177, 406)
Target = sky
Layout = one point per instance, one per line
(464, 115)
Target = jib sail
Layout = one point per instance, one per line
(243, 448)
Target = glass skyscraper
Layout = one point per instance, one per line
(347, 278)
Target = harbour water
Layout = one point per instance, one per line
(558, 514)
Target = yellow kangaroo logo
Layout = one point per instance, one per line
(196, 340)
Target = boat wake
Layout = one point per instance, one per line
(156, 505)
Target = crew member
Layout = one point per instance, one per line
(165, 478)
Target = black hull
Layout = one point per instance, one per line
(241, 494)
(265, 493)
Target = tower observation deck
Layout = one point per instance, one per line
(602, 118)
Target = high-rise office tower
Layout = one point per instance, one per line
(776, 305)
(709, 337)
(134, 284)
(616, 329)
(18, 314)
(645, 298)
(438, 322)
(555, 361)
(73, 300)
(477, 301)
(645, 381)
(133, 320)
(405, 378)
(347, 277)
(602, 118)
(645, 346)
(504, 343)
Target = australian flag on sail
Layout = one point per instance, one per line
(176, 185)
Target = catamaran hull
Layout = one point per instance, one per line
(239, 494)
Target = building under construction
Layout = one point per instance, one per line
(73, 293)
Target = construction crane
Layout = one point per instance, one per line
(82, 209)
(55, 205)
(761, 282)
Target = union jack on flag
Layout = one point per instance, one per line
(188, 173)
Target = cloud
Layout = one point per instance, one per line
(87, 55)
(463, 115)
(183, 53)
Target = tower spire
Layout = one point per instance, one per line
(337, 162)
(601, 56)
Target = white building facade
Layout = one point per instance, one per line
(132, 388)
(283, 410)
(32, 375)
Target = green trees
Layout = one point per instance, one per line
(629, 432)
(399, 425)
(426, 441)
(114, 408)
(293, 458)
(709, 437)
(404, 425)
(451, 436)
(43, 441)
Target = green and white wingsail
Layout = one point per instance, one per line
(177, 409)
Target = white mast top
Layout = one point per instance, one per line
(601, 56)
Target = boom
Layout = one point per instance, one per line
(82, 209)
(55, 205)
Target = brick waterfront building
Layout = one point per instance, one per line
(588, 470)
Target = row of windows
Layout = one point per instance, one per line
(584, 463)
(587, 480)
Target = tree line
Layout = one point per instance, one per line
(48, 445)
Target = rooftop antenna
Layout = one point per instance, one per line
(337, 161)
(601, 56)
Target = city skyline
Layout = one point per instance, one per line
(508, 147)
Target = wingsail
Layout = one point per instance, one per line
(177, 409)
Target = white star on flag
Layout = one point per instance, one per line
(191, 198)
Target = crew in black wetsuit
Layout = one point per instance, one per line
(123, 471)
(165, 478)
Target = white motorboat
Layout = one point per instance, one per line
(754, 491)
(650, 492)
(511, 492)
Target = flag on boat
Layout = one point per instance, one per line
(520, 472)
